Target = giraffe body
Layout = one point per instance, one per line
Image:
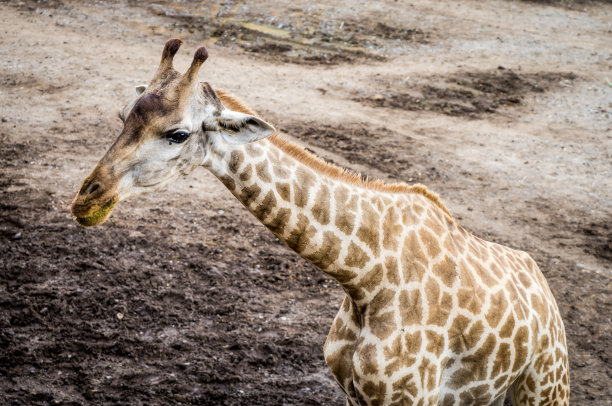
(432, 315)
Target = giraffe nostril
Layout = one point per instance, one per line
(91, 189)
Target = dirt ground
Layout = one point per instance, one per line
(504, 108)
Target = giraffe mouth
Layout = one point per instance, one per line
(96, 217)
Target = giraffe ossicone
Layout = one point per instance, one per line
(432, 314)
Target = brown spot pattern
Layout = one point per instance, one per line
(356, 257)
(249, 194)
(411, 307)
(345, 222)
(340, 329)
(253, 150)
(462, 337)
(246, 173)
(284, 191)
(435, 342)
(262, 171)
(439, 303)
(367, 359)
(434, 224)
(402, 352)
(430, 242)
(380, 302)
(236, 159)
(525, 279)
(305, 179)
(381, 320)
(450, 245)
(427, 372)
(345, 210)
(449, 400)
(494, 268)
(372, 279)
(507, 328)
(404, 391)
(328, 253)
(392, 229)
(484, 274)
(471, 294)
(343, 277)
(374, 392)
(474, 366)
(521, 341)
(368, 231)
(340, 362)
(409, 217)
(418, 209)
(228, 182)
(341, 195)
(445, 270)
(540, 307)
(278, 223)
(300, 236)
(478, 395)
(320, 210)
(497, 308)
(265, 207)
(499, 382)
(280, 171)
(392, 270)
(412, 259)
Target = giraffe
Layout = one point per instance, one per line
(432, 315)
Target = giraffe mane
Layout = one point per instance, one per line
(328, 169)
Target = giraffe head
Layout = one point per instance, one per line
(167, 131)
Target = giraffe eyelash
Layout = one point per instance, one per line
(234, 127)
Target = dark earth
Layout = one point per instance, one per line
(182, 297)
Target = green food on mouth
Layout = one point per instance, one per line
(99, 216)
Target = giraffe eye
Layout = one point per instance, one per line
(177, 136)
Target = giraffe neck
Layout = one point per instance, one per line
(342, 228)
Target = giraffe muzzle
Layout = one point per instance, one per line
(94, 215)
(93, 203)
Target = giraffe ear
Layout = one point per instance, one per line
(240, 128)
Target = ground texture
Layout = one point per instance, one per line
(502, 107)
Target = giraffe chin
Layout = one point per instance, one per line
(99, 216)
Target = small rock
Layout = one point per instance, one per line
(120, 316)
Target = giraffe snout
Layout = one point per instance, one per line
(93, 203)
